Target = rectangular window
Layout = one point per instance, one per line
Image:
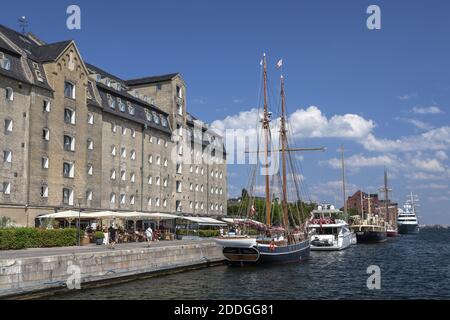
(69, 143)
(123, 175)
(46, 106)
(69, 90)
(179, 92)
(90, 144)
(8, 125)
(90, 170)
(179, 186)
(6, 188)
(69, 116)
(90, 118)
(7, 156)
(44, 191)
(45, 163)
(68, 197)
(46, 134)
(68, 170)
(178, 206)
(89, 195)
(179, 168)
(122, 199)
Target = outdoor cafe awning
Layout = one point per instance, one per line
(65, 215)
(109, 215)
(203, 221)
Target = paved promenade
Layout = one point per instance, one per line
(92, 248)
(33, 270)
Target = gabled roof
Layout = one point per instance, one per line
(103, 73)
(154, 79)
(50, 52)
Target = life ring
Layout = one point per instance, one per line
(272, 246)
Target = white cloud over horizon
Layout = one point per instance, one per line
(427, 110)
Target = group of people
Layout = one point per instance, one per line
(111, 235)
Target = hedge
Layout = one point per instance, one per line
(201, 233)
(22, 238)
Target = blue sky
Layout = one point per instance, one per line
(392, 85)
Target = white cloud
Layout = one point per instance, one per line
(435, 139)
(441, 155)
(420, 124)
(432, 186)
(309, 123)
(427, 110)
(408, 96)
(361, 161)
(312, 123)
(430, 165)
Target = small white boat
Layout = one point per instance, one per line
(328, 233)
(236, 241)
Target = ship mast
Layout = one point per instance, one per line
(266, 128)
(343, 180)
(283, 155)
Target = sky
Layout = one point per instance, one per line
(384, 94)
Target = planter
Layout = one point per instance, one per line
(85, 241)
(99, 241)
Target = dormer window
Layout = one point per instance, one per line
(131, 109)
(148, 115)
(122, 107)
(69, 90)
(111, 101)
(164, 121)
(5, 63)
(155, 117)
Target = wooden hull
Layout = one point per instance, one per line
(264, 254)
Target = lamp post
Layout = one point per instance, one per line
(79, 222)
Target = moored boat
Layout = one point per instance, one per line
(328, 232)
(283, 244)
(407, 221)
(372, 229)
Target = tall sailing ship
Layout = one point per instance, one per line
(286, 242)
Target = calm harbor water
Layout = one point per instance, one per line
(412, 267)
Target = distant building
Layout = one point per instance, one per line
(378, 207)
(354, 202)
(75, 135)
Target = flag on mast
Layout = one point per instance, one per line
(279, 63)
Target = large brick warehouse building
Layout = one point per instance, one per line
(76, 136)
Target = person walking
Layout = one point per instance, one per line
(149, 235)
(112, 237)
